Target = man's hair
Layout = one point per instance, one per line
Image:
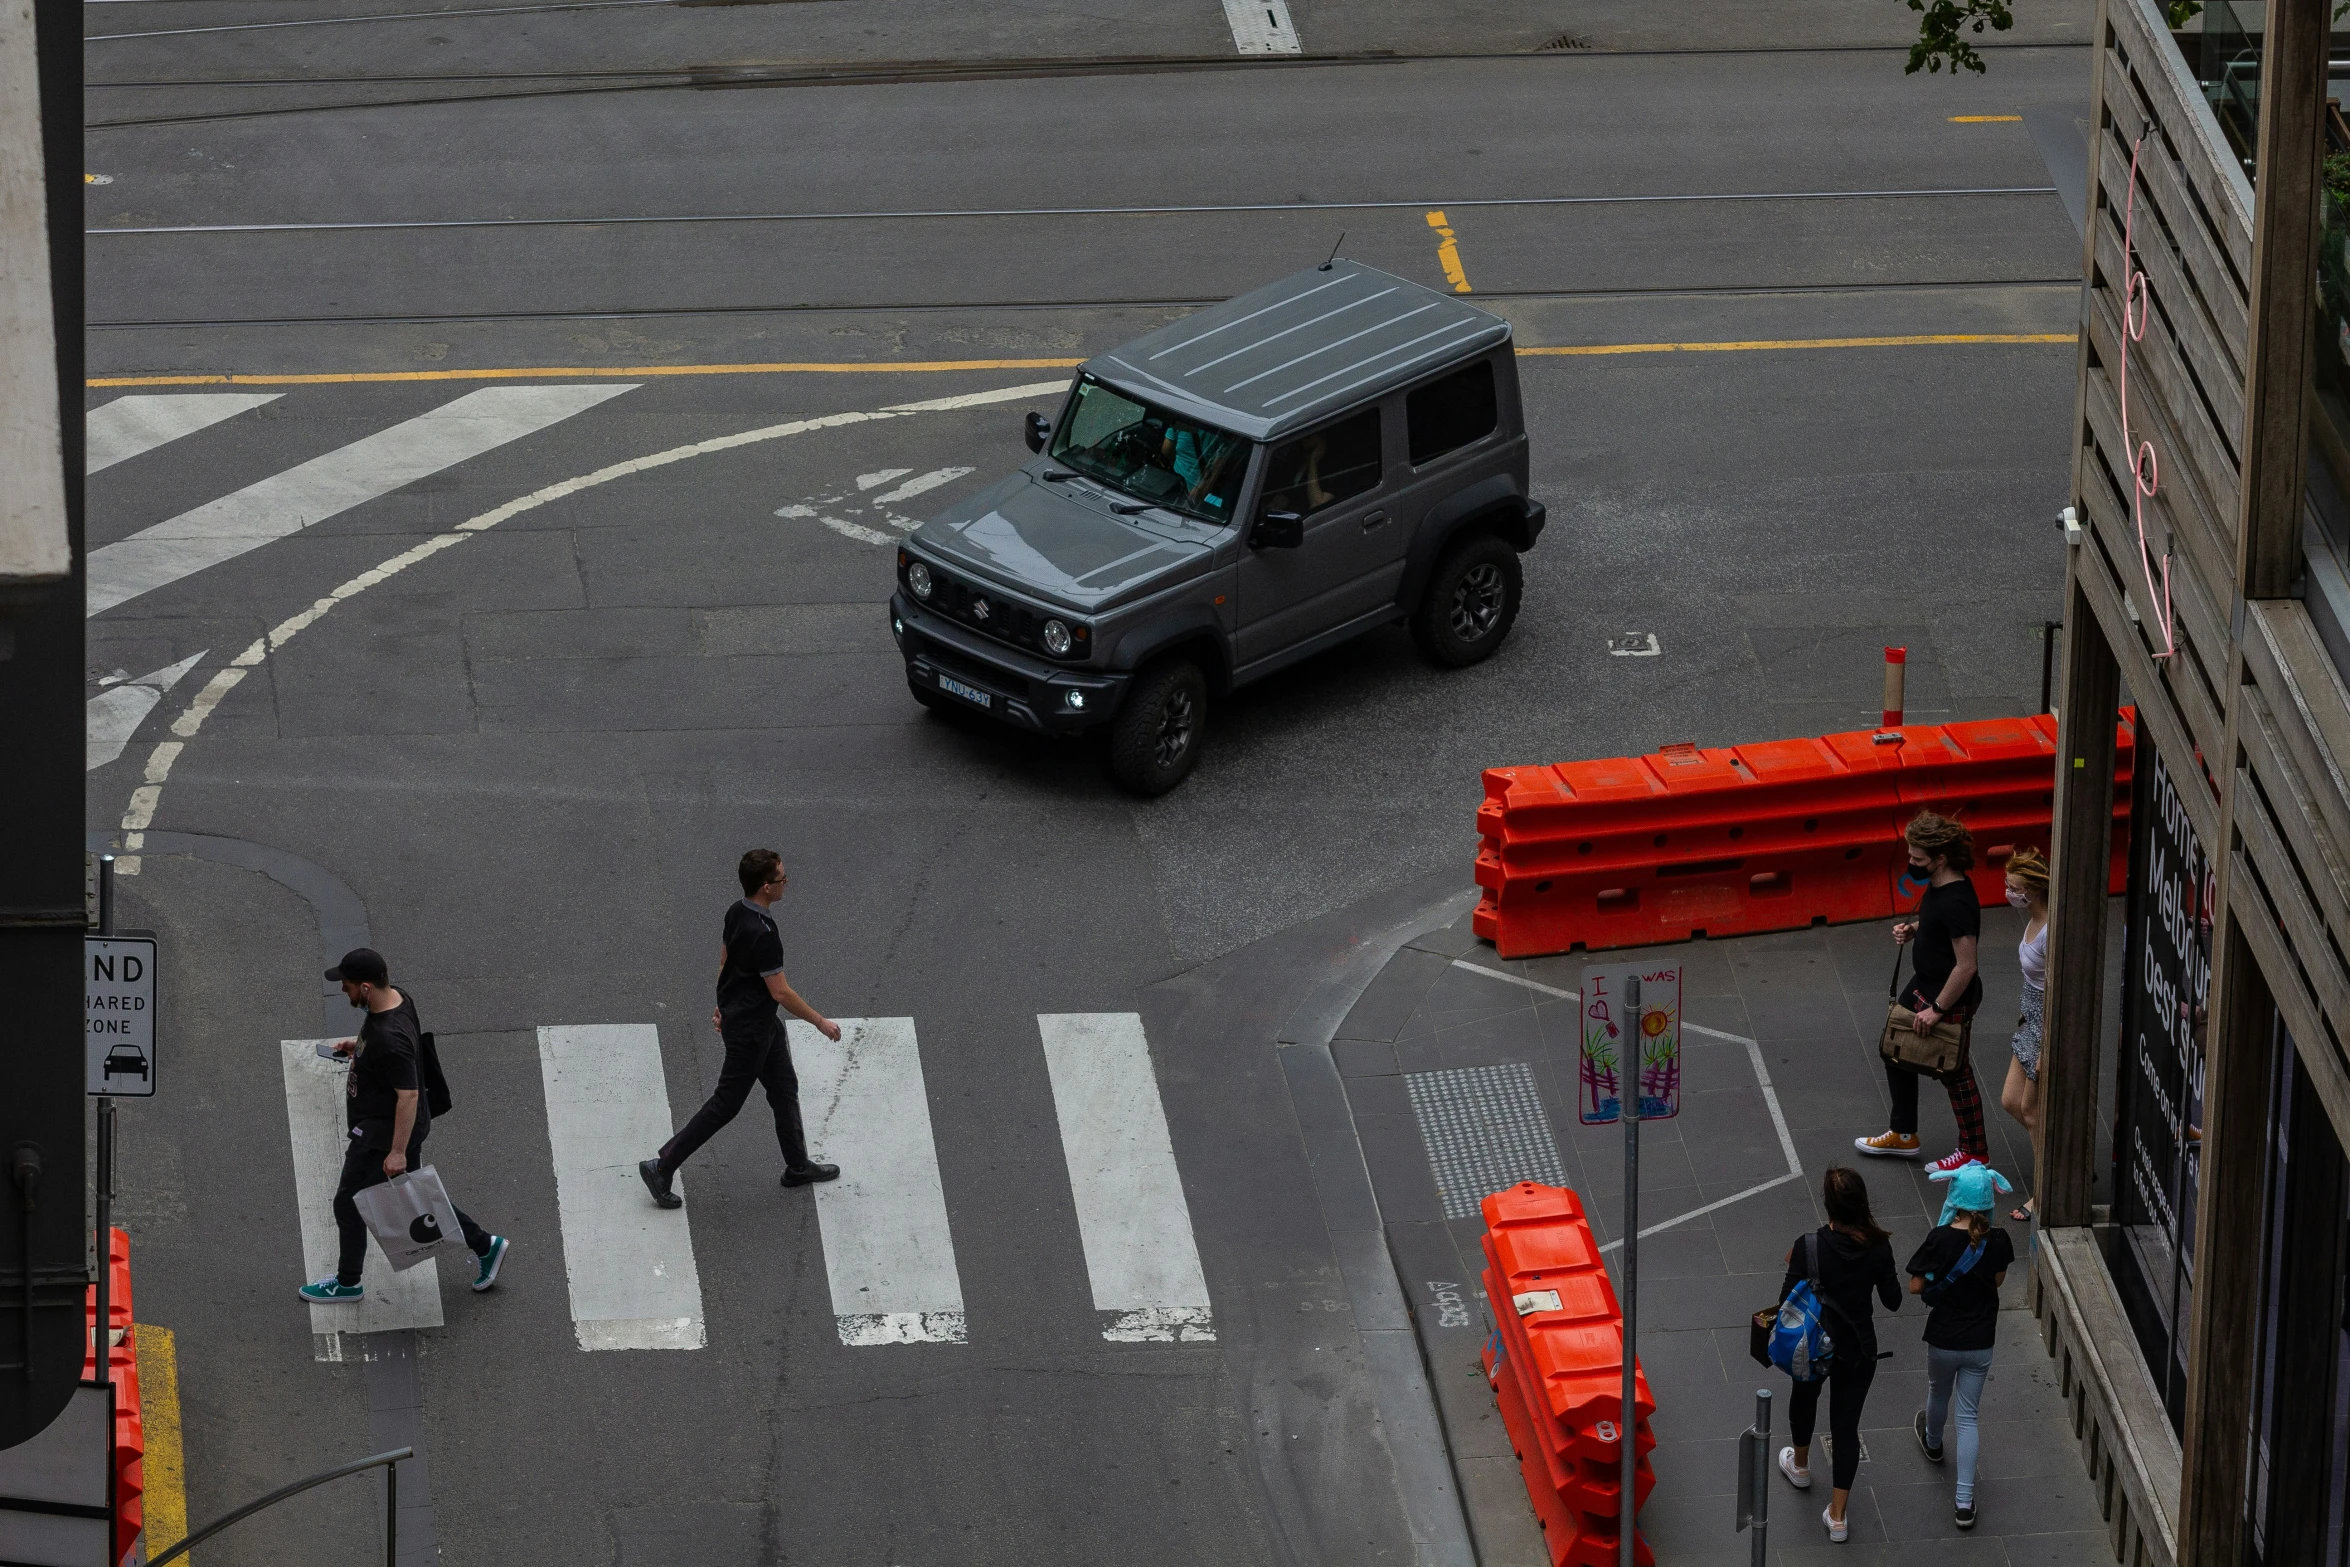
(757, 869)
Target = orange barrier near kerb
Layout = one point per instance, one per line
(122, 1366)
(1682, 843)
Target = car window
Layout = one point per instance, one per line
(1152, 454)
(1451, 413)
(1328, 466)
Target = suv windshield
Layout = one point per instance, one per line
(1151, 454)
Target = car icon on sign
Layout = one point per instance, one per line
(128, 1061)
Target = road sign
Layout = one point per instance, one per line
(1655, 1057)
(118, 1015)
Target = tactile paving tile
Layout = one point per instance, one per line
(1484, 1128)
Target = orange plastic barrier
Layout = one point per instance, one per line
(122, 1365)
(1639, 850)
(1557, 1368)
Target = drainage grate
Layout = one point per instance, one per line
(1484, 1128)
(1564, 41)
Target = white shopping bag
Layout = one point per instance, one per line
(409, 1215)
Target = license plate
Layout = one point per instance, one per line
(967, 693)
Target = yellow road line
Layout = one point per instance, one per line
(1927, 340)
(166, 1498)
(1984, 119)
(1448, 254)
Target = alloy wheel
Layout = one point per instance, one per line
(1476, 601)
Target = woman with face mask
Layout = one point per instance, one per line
(2027, 889)
(1945, 983)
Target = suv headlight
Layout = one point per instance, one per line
(1056, 638)
(918, 578)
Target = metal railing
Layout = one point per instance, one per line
(390, 1463)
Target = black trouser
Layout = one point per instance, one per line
(1847, 1381)
(362, 1168)
(1966, 1096)
(762, 1057)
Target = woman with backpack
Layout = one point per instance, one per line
(1946, 984)
(1957, 1273)
(1842, 1261)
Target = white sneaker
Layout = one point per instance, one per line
(1798, 1478)
(1836, 1531)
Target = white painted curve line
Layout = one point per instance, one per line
(122, 429)
(1139, 1252)
(114, 714)
(918, 485)
(630, 1264)
(1261, 26)
(285, 503)
(888, 1253)
(314, 1123)
(1762, 1079)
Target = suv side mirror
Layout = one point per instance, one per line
(1278, 530)
(1038, 429)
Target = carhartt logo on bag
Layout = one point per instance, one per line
(426, 1231)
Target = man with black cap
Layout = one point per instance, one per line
(389, 1111)
(751, 987)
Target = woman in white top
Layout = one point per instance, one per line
(2027, 889)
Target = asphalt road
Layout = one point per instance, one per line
(534, 754)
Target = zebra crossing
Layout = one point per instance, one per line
(890, 1259)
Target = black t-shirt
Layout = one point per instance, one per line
(1849, 1270)
(390, 1050)
(1945, 914)
(754, 950)
(1967, 1317)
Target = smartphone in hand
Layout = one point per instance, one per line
(332, 1050)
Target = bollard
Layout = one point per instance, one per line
(1754, 1478)
(1896, 673)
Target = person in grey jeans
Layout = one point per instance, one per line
(1957, 1272)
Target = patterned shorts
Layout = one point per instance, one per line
(2026, 1043)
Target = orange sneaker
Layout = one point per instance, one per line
(1889, 1145)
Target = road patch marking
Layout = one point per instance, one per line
(114, 714)
(285, 503)
(122, 429)
(1448, 254)
(1140, 1255)
(314, 1124)
(1261, 26)
(164, 1465)
(630, 1265)
(889, 1255)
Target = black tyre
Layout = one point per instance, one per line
(1471, 602)
(1156, 738)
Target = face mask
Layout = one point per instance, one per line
(2017, 900)
(1919, 872)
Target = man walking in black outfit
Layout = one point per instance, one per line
(750, 987)
(389, 1113)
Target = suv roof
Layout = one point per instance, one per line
(1290, 353)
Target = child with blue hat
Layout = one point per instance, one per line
(1973, 1187)
(1957, 1272)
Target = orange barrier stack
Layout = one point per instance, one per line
(1556, 1363)
(122, 1365)
(1639, 850)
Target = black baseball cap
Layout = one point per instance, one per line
(361, 966)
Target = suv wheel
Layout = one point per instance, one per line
(1157, 735)
(1471, 602)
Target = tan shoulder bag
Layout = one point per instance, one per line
(1934, 1053)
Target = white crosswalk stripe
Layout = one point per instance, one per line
(128, 426)
(285, 503)
(315, 1122)
(630, 1265)
(888, 1254)
(1139, 1251)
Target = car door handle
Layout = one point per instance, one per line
(1377, 519)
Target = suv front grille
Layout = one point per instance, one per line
(986, 611)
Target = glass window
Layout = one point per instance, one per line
(1151, 454)
(1332, 464)
(1447, 414)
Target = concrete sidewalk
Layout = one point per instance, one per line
(1460, 1071)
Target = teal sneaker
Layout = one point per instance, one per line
(491, 1264)
(331, 1291)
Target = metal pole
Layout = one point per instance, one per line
(1762, 1475)
(1628, 1095)
(101, 1336)
(392, 1513)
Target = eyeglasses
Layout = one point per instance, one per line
(778, 880)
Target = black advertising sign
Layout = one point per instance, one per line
(2168, 993)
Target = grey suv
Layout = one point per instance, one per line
(1239, 490)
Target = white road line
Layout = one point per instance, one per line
(1762, 1078)
(1139, 1251)
(857, 531)
(314, 1123)
(122, 429)
(286, 503)
(867, 481)
(1261, 26)
(114, 714)
(888, 1253)
(631, 1265)
(919, 484)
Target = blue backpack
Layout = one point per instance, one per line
(1800, 1344)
